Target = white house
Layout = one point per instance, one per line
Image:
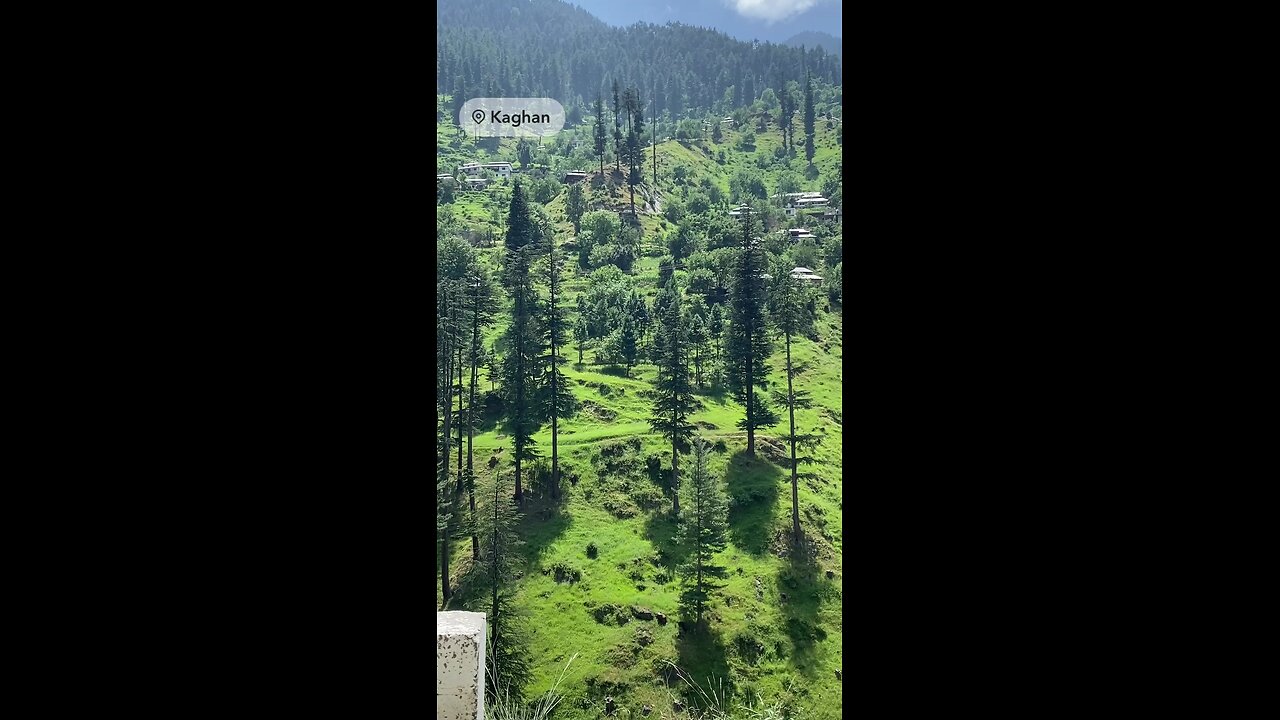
(799, 233)
(503, 169)
(805, 275)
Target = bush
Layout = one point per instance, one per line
(566, 573)
(592, 551)
(698, 203)
(604, 613)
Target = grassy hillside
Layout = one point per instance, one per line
(776, 624)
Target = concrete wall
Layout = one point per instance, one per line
(460, 641)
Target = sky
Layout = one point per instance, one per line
(765, 20)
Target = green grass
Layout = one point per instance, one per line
(772, 652)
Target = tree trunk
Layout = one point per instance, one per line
(471, 433)
(493, 616)
(791, 410)
(460, 364)
(751, 396)
(555, 400)
(446, 594)
(675, 471)
(519, 408)
(448, 435)
(698, 556)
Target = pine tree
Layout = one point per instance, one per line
(715, 328)
(808, 119)
(495, 571)
(792, 317)
(480, 297)
(698, 342)
(716, 137)
(558, 399)
(628, 344)
(703, 530)
(601, 140)
(580, 335)
(519, 367)
(447, 337)
(574, 206)
(617, 129)
(748, 348)
(673, 400)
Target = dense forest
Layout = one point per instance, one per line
(638, 381)
(547, 48)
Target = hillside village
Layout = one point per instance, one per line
(628, 273)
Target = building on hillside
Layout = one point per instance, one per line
(444, 179)
(805, 275)
(808, 202)
(503, 169)
(799, 233)
(741, 210)
(573, 177)
(477, 183)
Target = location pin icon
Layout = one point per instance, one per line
(477, 116)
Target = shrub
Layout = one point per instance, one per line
(565, 573)
(592, 551)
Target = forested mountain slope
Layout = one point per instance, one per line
(547, 48)
(558, 308)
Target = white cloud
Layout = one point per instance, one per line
(770, 10)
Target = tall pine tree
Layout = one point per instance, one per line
(808, 119)
(520, 366)
(446, 342)
(495, 571)
(574, 206)
(673, 400)
(702, 531)
(747, 351)
(791, 315)
(617, 128)
(480, 296)
(557, 398)
(601, 139)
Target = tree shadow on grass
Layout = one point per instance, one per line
(703, 659)
(660, 529)
(614, 370)
(544, 521)
(753, 489)
(805, 588)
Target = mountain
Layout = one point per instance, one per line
(548, 48)
(764, 20)
(811, 39)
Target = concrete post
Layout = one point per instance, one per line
(460, 641)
